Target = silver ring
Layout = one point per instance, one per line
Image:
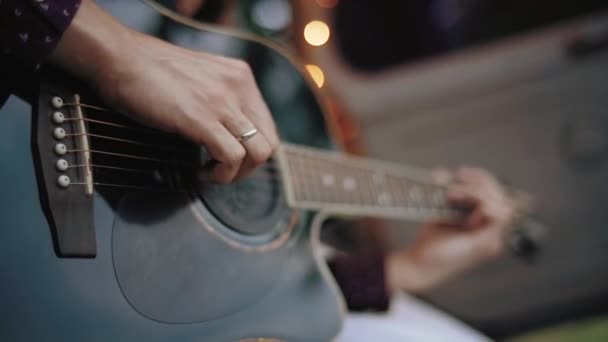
(247, 135)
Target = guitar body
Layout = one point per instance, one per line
(194, 265)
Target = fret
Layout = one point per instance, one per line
(349, 185)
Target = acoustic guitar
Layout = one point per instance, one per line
(108, 235)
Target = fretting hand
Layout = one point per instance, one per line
(443, 249)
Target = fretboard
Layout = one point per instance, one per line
(338, 184)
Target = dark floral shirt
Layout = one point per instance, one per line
(32, 28)
(29, 32)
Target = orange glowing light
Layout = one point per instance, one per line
(327, 3)
(316, 73)
(316, 33)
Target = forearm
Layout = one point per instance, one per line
(420, 268)
(92, 44)
(403, 274)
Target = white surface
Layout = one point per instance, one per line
(57, 102)
(58, 117)
(409, 319)
(61, 149)
(63, 181)
(62, 165)
(59, 133)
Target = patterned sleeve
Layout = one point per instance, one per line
(362, 281)
(32, 28)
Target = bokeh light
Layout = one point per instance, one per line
(316, 33)
(327, 3)
(316, 73)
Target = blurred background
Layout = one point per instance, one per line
(517, 87)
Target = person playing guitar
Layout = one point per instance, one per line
(214, 101)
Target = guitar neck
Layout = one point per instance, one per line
(346, 185)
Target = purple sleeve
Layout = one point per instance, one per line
(31, 29)
(362, 281)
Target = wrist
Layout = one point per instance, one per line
(402, 273)
(93, 45)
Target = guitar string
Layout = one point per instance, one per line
(119, 139)
(258, 193)
(150, 131)
(182, 188)
(258, 178)
(111, 168)
(264, 195)
(105, 122)
(275, 167)
(84, 105)
(442, 186)
(127, 141)
(251, 177)
(123, 155)
(267, 166)
(113, 124)
(125, 169)
(150, 188)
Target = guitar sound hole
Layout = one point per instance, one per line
(149, 160)
(252, 206)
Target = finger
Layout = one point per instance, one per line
(486, 184)
(226, 151)
(253, 104)
(469, 201)
(462, 196)
(257, 157)
(478, 176)
(477, 218)
(257, 148)
(257, 111)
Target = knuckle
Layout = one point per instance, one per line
(492, 249)
(192, 129)
(274, 144)
(235, 156)
(219, 97)
(241, 65)
(261, 155)
(257, 158)
(273, 140)
(221, 177)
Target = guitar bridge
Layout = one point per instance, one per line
(63, 167)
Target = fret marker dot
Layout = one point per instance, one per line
(349, 183)
(61, 149)
(384, 198)
(378, 178)
(328, 180)
(415, 194)
(62, 165)
(59, 133)
(158, 177)
(57, 102)
(63, 181)
(58, 117)
(438, 197)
